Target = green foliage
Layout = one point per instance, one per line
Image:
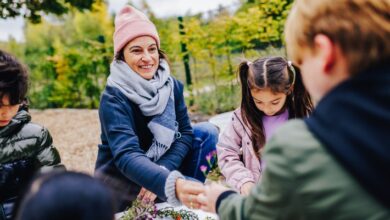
(218, 99)
(69, 57)
(32, 9)
(217, 45)
(69, 61)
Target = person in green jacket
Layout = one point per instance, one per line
(25, 147)
(335, 164)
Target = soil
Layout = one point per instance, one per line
(76, 134)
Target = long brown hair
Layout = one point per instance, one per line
(279, 75)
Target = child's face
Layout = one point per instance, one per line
(7, 111)
(267, 101)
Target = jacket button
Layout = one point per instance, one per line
(247, 143)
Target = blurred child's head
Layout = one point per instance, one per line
(67, 195)
(13, 87)
(333, 40)
(270, 86)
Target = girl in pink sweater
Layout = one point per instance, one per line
(272, 93)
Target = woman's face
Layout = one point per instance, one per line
(141, 54)
(268, 102)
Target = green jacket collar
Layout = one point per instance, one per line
(21, 118)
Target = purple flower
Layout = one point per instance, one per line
(214, 153)
(208, 157)
(203, 168)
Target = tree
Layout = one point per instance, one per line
(31, 8)
(69, 59)
(263, 20)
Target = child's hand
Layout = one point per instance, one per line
(211, 193)
(187, 192)
(146, 196)
(246, 188)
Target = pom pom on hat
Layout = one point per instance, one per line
(131, 23)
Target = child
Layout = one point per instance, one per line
(334, 164)
(24, 147)
(272, 93)
(64, 196)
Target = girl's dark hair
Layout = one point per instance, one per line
(13, 79)
(280, 76)
(63, 195)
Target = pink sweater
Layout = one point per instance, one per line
(235, 141)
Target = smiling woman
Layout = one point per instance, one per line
(146, 131)
(142, 55)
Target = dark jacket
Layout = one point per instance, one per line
(125, 139)
(25, 148)
(360, 139)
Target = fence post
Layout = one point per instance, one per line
(186, 60)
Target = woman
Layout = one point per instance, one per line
(146, 131)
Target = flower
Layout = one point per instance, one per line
(208, 158)
(203, 168)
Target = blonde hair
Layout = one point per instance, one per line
(361, 29)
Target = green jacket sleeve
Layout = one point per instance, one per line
(302, 180)
(48, 155)
(272, 197)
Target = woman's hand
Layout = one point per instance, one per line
(187, 192)
(246, 188)
(208, 199)
(146, 196)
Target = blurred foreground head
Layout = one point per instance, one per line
(340, 38)
(361, 28)
(67, 196)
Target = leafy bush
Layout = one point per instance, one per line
(218, 99)
(69, 56)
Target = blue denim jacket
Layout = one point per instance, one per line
(125, 138)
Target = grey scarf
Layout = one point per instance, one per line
(154, 97)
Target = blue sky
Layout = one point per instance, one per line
(161, 8)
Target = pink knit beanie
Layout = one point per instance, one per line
(130, 23)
